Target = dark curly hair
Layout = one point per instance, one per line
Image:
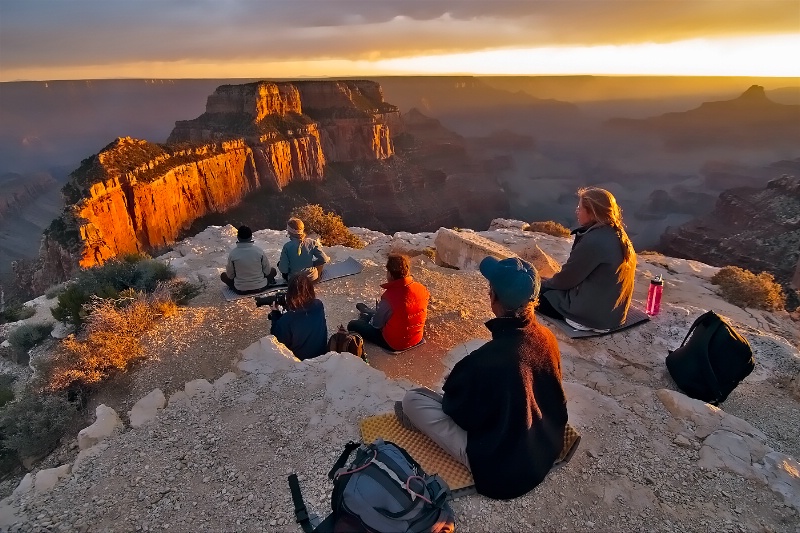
(398, 266)
(300, 293)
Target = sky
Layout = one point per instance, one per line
(97, 39)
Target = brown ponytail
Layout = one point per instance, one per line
(604, 209)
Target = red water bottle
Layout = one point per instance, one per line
(654, 296)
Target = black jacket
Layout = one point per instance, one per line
(507, 395)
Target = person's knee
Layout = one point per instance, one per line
(412, 400)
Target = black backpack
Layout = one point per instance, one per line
(713, 361)
(347, 341)
(382, 490)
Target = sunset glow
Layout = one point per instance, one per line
(753, 56)
(86, 39)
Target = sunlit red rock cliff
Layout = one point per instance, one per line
(138, 196)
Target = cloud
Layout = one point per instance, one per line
(38, 33)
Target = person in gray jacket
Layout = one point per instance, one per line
(593, 290)
(301, 255)
(248, 270)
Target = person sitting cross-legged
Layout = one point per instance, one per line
(301, 326)
(301, 254)
(503, 412)
(398, 321)
(248, 270)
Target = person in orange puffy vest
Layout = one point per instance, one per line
(398, 321)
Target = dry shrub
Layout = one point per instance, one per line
(110, 341)
(328, 226)
(745, 289)
(550, 228)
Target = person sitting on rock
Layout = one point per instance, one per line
(301, 254)
(301, 326)
(503, 413)
(594, 288)
(248, 270)
(398, 320)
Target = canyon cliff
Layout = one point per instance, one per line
(753, 228)
(328, 142)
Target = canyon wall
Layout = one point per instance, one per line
(136, 196)
(756, 229)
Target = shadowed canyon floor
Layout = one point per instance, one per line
(216, 457)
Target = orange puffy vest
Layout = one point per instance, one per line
(409, 302)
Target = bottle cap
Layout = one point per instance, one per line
(658, 280)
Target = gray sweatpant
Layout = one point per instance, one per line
(424, 408)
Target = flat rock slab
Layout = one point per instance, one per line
(107, 422)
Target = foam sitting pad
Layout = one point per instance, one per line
(634, 318)
(397, 352)
(340, 269)
(432, 458)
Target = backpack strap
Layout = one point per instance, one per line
(339, 464)
(699, 320)
(300, 510)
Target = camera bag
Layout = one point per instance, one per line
(347, 341)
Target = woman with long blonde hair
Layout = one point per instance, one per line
(593, 290)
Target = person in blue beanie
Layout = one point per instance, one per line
(503, 413)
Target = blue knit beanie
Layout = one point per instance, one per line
(514, 281)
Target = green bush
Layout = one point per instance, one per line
(54, 291)
(182, 291)
(33, 425)
(27, 336)
(6, 388)
(549, 227)
(745, 289)
(134, 271)
(328, 226)
(15, 312)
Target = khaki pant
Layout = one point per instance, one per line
(424, 408)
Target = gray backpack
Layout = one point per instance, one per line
(382, 489)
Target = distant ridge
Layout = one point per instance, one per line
(751, 120)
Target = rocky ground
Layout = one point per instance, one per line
(216, 458)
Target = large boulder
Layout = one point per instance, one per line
(147, 408)
(106, 424)
(47, 479)
(545, 265)
(466, 249)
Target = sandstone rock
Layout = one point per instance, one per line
(681, 440)
(47, 479)
(224, 380)
(25, 485)
(465, 250)
(198, 386)
(147, 408)
(724, 449)
(87, 455)
(545, 265)
(505, 223)
(106, 424)
(178, 397)
(8, 515)
(783, 476)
